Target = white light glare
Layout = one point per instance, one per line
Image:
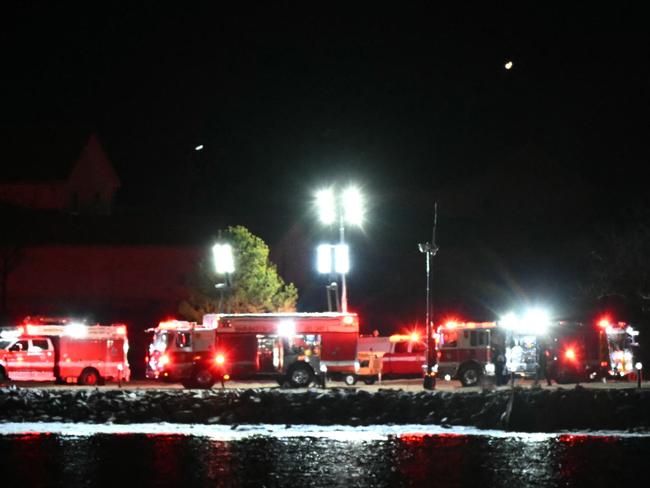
(341, 258)
(199, 147)
(324, 258)
(223, 259)
(326, 206)
(638, 366)
(537, 321)
(353, 206)
(508, 65)
(510, 321)
(286, 328)
(76, 329)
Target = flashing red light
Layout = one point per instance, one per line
(164, 359)
(415, 337)
(452, 324)
(121, 330)
(348, 320)
(604, 323)
(570, 354)
(219, 359)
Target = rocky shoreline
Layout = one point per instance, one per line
(527, 410)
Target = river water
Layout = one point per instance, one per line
(70, 455)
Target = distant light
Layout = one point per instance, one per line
(570, 354)
(447, 377)
(341, 258)
(353, 206)
(509, 321)
(508, 65)
(219, 359)
(324, 258)
(199, 147)
(415, 337)
(604, 323)
(223, 258)
(638, 366)
(286, 328)
(326, 206)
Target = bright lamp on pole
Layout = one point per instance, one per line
(346, 208)
(224, 262)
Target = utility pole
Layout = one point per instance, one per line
(430, 249)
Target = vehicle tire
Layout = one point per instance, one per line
(469, 375)
(369, 381)
(350, 379)
(300, 376)
(89, 377)
(3, 374)
(203, 378)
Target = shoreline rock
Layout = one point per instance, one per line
(531, 410)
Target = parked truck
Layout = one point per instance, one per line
(296, 348)
(64, 351)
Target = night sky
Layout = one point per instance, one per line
(412, 103)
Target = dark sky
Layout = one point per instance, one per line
(412, 103)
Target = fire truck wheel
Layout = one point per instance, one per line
(470, 375)
(3, 375)
(369, 381)
(204, 378)
(350, 379)
(90, 377)
(300, 375)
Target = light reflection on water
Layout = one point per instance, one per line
(342, 459)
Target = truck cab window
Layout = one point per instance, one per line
(450, 339)
(39, 345)
(19, 346)
(401, 347)
(183, 339)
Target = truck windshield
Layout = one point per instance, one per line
(161, 341)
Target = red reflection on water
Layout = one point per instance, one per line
(426, 458)
(31, 456)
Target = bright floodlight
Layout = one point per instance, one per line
(286, 328)
(341, 258)
(199, 147)
(509, 321)
(324, 258)
(508, 65)
(223, 259)
(536, 321)
(353, 206)
(326, 206)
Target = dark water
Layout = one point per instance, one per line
(145, 460)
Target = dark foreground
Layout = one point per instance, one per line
(525, 410)
(409, 459)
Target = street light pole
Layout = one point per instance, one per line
(344, 289)
(430, 249)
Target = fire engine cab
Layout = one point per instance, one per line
(290, 347)
(62, 350)
(465, 350)
(395, 356)
(185, 352)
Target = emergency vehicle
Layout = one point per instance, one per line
(291, 347)
(64, 351)
(185, 352)
(464, 350)
(592, 351)
(395, 356)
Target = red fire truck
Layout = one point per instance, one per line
(65, 351)
(395, 356)
(465, 350)
(185, 352)
(292, 347)
(592, 351)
